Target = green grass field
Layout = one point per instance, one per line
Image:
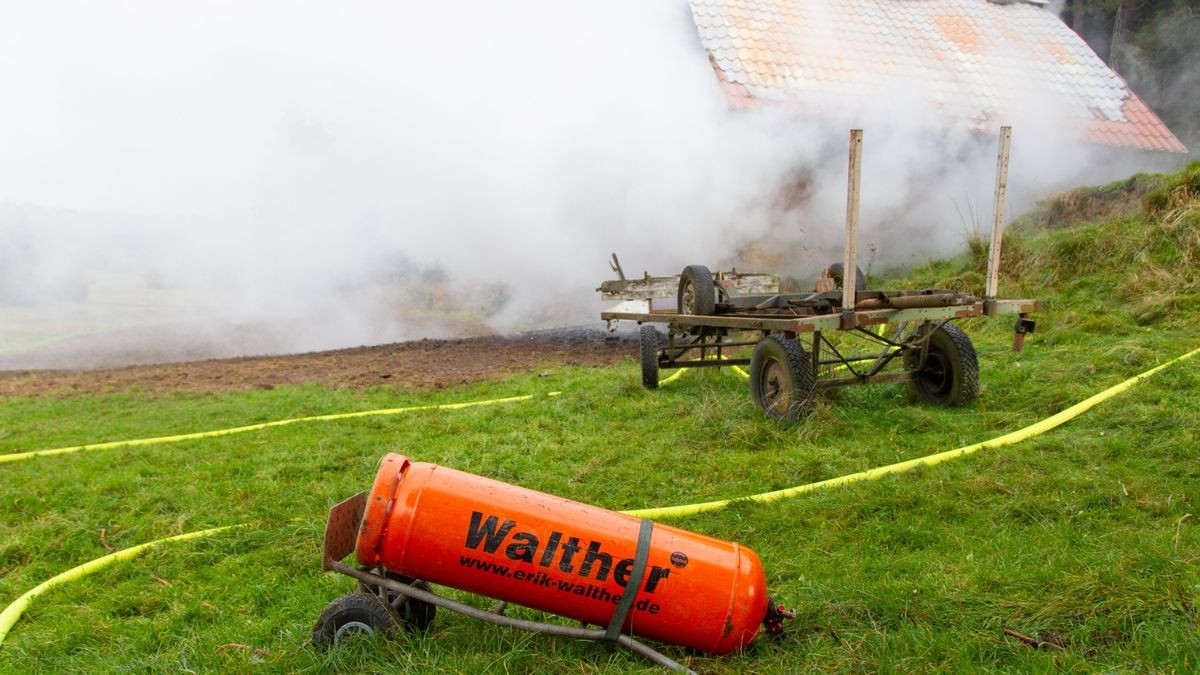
(1087, 536)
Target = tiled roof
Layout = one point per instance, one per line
(974, 59)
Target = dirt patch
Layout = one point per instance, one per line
(422, 365)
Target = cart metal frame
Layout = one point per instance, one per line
(340, 535)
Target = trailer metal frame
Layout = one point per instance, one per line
(747, 310)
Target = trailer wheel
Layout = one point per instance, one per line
(648, 341)
(781, 378)
(354, 615)
(697, 292)
(836, 273)
(951, 372)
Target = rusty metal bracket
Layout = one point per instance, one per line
(848, 319)
(1024, 325)
(341, 530)
(616, 267)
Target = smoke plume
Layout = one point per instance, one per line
(284, 176)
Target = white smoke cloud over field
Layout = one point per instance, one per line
(299, 166)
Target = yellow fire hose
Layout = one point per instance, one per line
(878, 330)
(18, 456)
(13, 612)
(928, 460)
(21, 456)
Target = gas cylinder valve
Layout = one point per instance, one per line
(773, 621)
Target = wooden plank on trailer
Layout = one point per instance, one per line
(850, 260)
(639, 289)
(749, 283)
(993, 273)
(807, 324)
(649, 287)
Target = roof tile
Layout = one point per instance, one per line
(976, 57)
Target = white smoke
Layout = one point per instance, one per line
(291, 166)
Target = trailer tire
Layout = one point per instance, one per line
(648, 341)
(357, 614)
(697, 292)
(950, 376)
(836, 273)
(781, 378)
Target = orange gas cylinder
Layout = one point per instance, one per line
(533, 549)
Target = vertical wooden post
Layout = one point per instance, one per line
(850, 260)
(993, 273)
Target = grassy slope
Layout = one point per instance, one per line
(1088, 534)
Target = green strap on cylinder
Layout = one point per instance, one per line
(635, 581)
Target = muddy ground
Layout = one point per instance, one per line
(419, 365)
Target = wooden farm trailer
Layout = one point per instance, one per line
(897, 335)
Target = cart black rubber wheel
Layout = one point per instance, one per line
(781, 378)
(354, 615)
(648, 342)
(860, 279)
(951, 372)
(415, 615)
(697, 292)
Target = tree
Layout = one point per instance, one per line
(1153, 45)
